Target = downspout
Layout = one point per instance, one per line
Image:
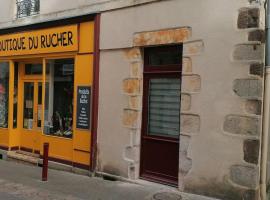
(266, 109)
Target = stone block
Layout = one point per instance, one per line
(242, 125)
(251, 151)
(184, 143)
(191, 83)
(256, 69)
(257, 36)
(170, 36)
(135, 137)
(135, 102)
(186, 65)
(131, 154)
(189, 123)
(134, 54)
(248, 18)
(246, 176)
(132, 86)
(253, 106)
(253, 1)
(185, 163)
(130, 118)
(133, 171)
(248, 88)
(136, 70)
(193, 48)
(185, 102)
(248, 52)
(250, 195)
(3, 154)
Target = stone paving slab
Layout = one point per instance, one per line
(23, 182)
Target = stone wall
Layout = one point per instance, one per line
(133, 88)
(221, 94)
(249, 88)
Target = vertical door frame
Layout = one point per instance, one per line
(95, 96)
(154, 71)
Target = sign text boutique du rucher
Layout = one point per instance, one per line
(59, 39)
(35, 42)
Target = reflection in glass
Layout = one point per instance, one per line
(4, 90)
(28, 105)
(33, 69)
(58, 116)
(39, 106)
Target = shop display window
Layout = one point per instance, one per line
(4, 90)
(58, 115)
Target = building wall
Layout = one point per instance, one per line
(52, 10)
(221, 91)
(6, 10)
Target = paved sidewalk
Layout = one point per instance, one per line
(22, 182)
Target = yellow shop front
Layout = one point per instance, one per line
(46, 91)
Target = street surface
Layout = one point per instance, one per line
(22, 182)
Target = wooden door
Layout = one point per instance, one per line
(161, 115)
(31, 109)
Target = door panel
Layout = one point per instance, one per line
(160, 160)
(161, 128)
(28, 110)
(31, 109)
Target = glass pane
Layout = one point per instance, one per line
(4, 90)
(164, 55)
(15, 95)
(28, 105)
(33, 69)
(164, 107)
(58, 116)
(39, 106)
(164, 58)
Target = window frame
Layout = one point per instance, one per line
(45, 81)
(172, 68)
(164, 71)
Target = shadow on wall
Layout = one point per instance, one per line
(223, 190)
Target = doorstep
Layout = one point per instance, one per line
(22, 157)
(34, 159)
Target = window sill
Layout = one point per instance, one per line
(57, 137)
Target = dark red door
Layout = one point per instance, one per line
(161, 115)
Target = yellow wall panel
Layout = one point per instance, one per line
(14, 138)
(4, 137)
(82, 138)
(82, 157)
(87, 37)
(59, 147)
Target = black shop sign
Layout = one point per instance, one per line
(83, 107)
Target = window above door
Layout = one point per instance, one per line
(163, 58)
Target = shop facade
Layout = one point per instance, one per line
(47, 73)
(176, 98)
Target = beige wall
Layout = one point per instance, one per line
(52, 10)
(7, 10)
(112, 137)
(213, 151)
(211, 47)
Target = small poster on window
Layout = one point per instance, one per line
(83, 107)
